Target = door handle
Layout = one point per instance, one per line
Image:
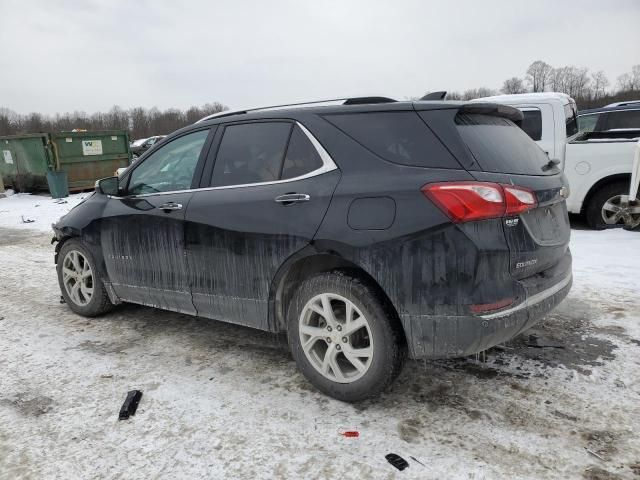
(289, 198)
(169, 206)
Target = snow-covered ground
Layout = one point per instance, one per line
(223, 401)
(35, 212)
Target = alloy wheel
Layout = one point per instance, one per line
(618, 210)
(77, 278)
(336, 338)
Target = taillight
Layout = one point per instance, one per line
(469, 201)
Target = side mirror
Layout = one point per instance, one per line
(108, 186)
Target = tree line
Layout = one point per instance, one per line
(589, 89)
(139, 122)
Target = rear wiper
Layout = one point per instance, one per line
(550, 164)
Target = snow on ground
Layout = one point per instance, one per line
(223, 401)
(35, 212)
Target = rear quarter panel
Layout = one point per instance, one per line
(586, 163)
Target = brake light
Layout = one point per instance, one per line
(469, 201)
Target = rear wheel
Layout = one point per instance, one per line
(79, 281)
(343, 338)
(610, 206)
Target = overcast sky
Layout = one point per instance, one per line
(58, 56)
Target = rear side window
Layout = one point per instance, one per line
(587, 123)
(623, 119)
(498, 145)
(399, 137)
(301, 157)
(251, 153)
(532, 123)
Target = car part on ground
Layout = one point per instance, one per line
(130, 404)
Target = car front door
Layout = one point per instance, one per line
(142, 232)
(270, 188)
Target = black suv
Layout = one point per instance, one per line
(365, 231)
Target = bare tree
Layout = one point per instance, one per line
(139, 122)
(513, 85)
(538, 75)
(599, 83)
(630, 81)
(477, 93)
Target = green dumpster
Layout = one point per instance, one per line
(84, 156)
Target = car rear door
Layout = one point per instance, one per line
(142, 232)
(270, 187)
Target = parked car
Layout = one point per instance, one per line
(598, 165)
(138, 147)
(616, 116)
(365, 230)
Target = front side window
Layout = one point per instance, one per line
(532, 123)
(587, 123)
(623, 119)
(169, 168)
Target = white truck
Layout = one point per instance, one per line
(598, 165)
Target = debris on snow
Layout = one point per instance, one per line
(130, 404)
(397, 461)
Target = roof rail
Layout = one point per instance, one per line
(343, 101)
(623, 104)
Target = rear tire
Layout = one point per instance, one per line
(593, 211)
(79, 280)
(351, 347)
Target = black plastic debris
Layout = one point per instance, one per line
(62, 300)
(397, 461)
(537, 342)
(27, 220)
(130, 404)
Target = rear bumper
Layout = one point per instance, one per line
(431, 336)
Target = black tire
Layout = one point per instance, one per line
(593, 211)
(389, 346)
(99, 302)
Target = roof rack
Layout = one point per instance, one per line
(343, 101)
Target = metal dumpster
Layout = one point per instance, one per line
(85, 156)
(25, 161)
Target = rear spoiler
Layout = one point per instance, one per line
(495, 109)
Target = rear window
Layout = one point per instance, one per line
(399, 137)
(532, 123)
(498, 145)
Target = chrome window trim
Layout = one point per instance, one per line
(328, 165)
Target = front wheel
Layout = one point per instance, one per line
(79, 281)
(342, 337)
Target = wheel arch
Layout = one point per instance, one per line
(309, 262)
(601, 183)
